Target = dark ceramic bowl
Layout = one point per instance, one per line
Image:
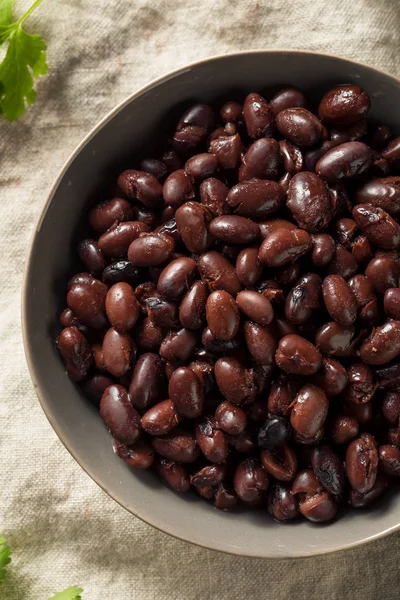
(128, 132)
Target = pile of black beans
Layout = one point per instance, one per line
(238, 317)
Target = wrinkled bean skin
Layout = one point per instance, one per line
(299, 126)
(343, 429)
(297, 355)
(358, 500)
(228, 150)
(389, 460)
(87, 301)
(120, 271)
(310, 409)
(118, 352)
(323, 249)
(261, 161)
(138, 455)
(289, 97)
(233, 229)
(350, 159)
(292, 158)
(308, 201)
(147, 382)
(177, 446)
(160, 419)
(233, 381)
(122, 307)
(280, 397)
(178, 188)
(76, 351)
(382, 193)
(192, 310)
(255, 306)
(339, 300)
(360, 387)
(186, 391)
(303, 299)
(284, 246)
(104, 215)
(328, 468)
(141, 186)
(318, 508)
(213, 195)
(383, 345)
(391, 408)
(250, 481)
(222, 315)
(119, 416)
(174, 475)
(218, 273)
(258, 116)
(257, 199)
(362, 463)
(176, 278)
(281, 503)
(211, 440)
(344, 105)
(332, 377)
(280, 463)
(178, 345)
(377, 226)
(115, 241)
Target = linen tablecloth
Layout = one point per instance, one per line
(63, 529)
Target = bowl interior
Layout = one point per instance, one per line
(130, 131)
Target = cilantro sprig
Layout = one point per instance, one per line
(72, 593)
(5, 554)
(25, 59)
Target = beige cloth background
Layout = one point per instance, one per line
(63, 529)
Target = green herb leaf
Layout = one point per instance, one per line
(5, 558)
(6, 12)
(72, 593)
(25, 59)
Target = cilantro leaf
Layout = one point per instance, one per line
(5, 558)
(72, 593)
(6, 12)
(25, 59)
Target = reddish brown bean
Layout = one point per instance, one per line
(177, 446)
(248, 267)
(87, 301)
(344, 105)
(231, 418)
(192, 311)
(358, 500)
(308, 201)
(151, 250)
(76, 351)
(383, 193)
(347, 160)
(141, 186)
(281, 503)
(343, 429)
(323, 249)
(160, 418)
(118, 352)
(138, 455)
(328, 469)
(173, 474)
(389, 460)
(222, 315)
(148, 335)
(147, 383)
(256, 199)
(234, 382)
(343, 263)
(391, 303)
(318, 508)
(383, 345)
(227, 149)
(288, 97)
(178, 188)
(339, 300)
(104, 215)
(297, 355)
(211, 440)
(233, 229)
(186, 391)
(332, 377)
(310, 409)
(255, 306)
(383, 273)
(280, 463)
(118, 414)
(261, 161)
(303, 299)
(176, 278)
(378, 226)
(284, 246)
(261, 342)
(122, 307)
(178, 345)
(335, 339)
(362, 463)
(258, 116)
(299, 126)
(218, 273)
(213, 195)
(250, 481)
(201, 166)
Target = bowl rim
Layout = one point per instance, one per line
(28, 349)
